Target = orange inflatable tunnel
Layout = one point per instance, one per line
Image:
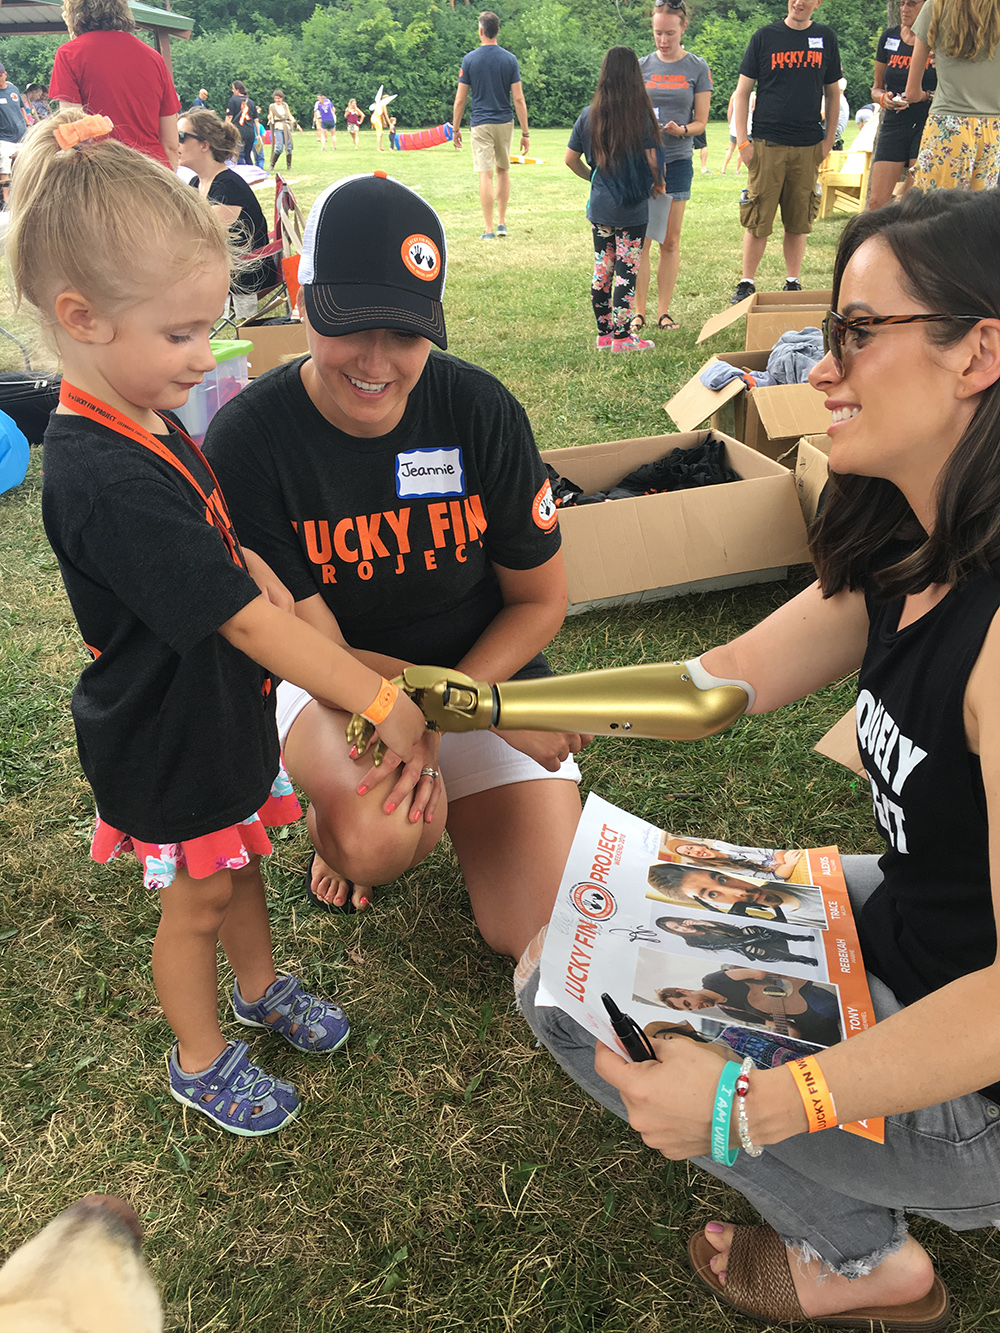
(425, 138)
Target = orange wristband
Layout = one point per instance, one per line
(745, 144)
(381, 706)
(816, 1097)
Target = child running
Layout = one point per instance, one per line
(128, 269)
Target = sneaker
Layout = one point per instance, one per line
(604, 341)
(306, 1022)
(501, 230)
(235, 1094)
(792, 285)
(488, 236)
(632, 344)
(744, 288)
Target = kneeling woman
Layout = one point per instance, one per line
(908, 554)
(402, 500)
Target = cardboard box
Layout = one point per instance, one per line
(273, 344)
(811, 472)
(657, 546)
(769, 315)
(770, 420)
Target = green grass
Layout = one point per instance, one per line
(444, 1174)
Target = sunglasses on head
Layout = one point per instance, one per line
(184, 135)
(675, 6)
(836, 328)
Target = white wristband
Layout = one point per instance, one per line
(706, 681)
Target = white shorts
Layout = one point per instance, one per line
(470, 761)
(8, 151)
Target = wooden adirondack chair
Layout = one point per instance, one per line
(843, 177)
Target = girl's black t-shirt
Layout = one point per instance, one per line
(931, 919)
(175, 727)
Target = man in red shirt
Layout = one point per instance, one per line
(108, 71)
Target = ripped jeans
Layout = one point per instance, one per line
(617, 251)
(833, 1195)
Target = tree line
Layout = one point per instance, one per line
(415, 47)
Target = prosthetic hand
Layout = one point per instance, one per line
(671, 701)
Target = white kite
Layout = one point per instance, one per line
(381, 101)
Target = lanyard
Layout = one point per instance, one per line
(216, 512)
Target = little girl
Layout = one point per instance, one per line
(128, 269)
(618, 135)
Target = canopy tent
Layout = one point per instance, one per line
(41, 16)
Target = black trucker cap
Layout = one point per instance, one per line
(373, 257)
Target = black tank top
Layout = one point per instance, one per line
(931, 919)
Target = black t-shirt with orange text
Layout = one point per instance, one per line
(791, 67)
(398, 533)
(895, 55)
(175, 727)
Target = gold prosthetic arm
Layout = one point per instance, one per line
(659, 701)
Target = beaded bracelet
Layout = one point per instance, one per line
(816, 1097)
(742, 1123)
(381, 706)
(721, 1151)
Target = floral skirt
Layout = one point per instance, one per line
(959, 153)
(227, 849)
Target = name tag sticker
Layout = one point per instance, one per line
(892, 43)
(428, 472)
(815, 43)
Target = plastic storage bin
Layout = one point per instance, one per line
(219, 385)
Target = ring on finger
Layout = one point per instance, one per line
(429, 773)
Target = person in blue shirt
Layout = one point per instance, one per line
(494, 78)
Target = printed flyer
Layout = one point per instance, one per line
(753, 946)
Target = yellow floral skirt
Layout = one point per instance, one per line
(959, 153)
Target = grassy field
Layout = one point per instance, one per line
(444, 1175)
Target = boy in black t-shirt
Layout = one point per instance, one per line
(795, 64)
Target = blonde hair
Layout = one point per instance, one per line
(97, 16)
(965, 29)
(222, 136)
(97, 218)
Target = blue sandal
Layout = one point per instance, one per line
(235, 1094)
(305, 1021)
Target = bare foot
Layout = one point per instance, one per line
(331, 887)
(905, 1276)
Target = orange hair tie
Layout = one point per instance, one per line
(75, 132)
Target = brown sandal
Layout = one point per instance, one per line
(759, 1284)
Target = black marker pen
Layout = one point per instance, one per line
(628, 1031)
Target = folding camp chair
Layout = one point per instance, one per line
(285, 243)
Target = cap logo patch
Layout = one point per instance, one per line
(421, 256)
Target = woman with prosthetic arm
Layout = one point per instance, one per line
(907, 551)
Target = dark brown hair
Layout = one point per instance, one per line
(946, 243)
(489, 23)
(622, 118)
(222, 136)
